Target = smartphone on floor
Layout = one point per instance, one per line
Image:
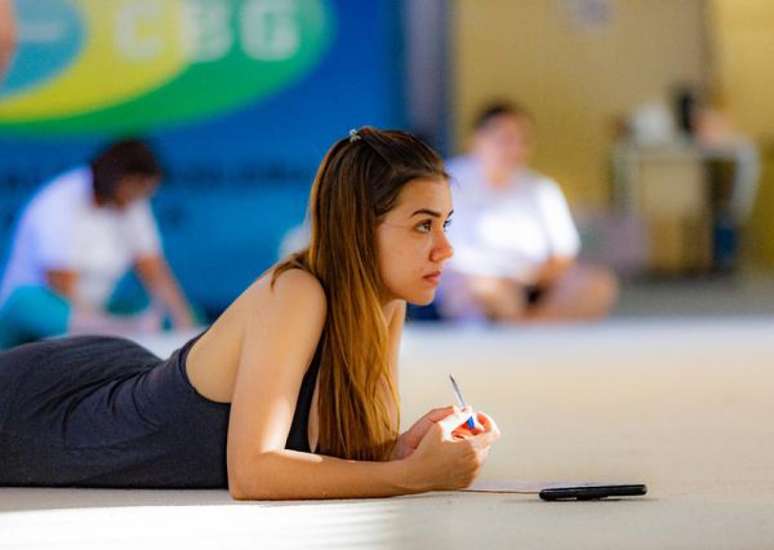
(593, 492)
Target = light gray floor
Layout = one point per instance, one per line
(745, 294)
(683, 405)
(82, 519)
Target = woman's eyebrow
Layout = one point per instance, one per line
(429, 212)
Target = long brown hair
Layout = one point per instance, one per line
(357, 183)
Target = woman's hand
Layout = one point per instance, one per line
(450, 455)
(409, 440)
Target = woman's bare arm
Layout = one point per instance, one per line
(278, 343)
(292, 475)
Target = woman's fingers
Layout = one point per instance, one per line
(430, 418)
(416, 432)
(464, 431)
(436, 415)
(452, 455)
(454, 420)
(485, 424)
(482, 439)
(488, 423)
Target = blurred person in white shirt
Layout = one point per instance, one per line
(515, 242)
(76, 239)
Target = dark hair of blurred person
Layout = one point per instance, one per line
(124, 172)
(500, 108)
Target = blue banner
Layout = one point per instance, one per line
(240, 98)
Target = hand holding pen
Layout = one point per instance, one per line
(449, 453)
(471, 421)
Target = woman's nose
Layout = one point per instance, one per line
(443, 249)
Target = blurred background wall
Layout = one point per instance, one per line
(743, 46)
(242, 97)
(577, 66)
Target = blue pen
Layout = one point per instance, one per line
(471, 423)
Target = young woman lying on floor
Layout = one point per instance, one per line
(292, 392)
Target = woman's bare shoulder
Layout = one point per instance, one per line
(291, 289)
(291, 315)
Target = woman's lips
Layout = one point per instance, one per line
(433, 278)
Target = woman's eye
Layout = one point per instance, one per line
(425, 227)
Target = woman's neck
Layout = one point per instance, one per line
(389, 307)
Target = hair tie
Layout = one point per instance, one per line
(354, 136)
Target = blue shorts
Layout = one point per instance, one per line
(32, 313)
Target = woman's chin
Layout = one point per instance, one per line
(421, 298)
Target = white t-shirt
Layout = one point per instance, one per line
(508, 231)
(63, 229)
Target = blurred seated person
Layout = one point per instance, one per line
(515, 241)
(75, 239)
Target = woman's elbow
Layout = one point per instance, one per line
(240, 487)
(239, 474)
(240, 492)
(236, 493)
(253, 481)
(243, 491)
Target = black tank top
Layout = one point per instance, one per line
(95, 411)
